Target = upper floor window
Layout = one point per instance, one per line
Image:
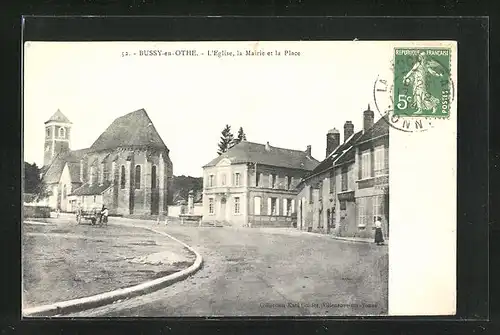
(258, 180)
(153, 176)
(122, 177)
(64, 191)
(272, 178)
(237, 179)
(47, 132)
(344, 179)
(380, 161)
(289, 182)
(137, 184)
(332, 181)
(62, 132)
(366, 165)
(223, 179)
(211, 180)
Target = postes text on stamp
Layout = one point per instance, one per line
(422, 85)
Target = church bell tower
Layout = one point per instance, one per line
(57, 136)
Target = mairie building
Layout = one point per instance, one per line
(127, 168)
(254, 184)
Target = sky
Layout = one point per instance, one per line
(288, 101)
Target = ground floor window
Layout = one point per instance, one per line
(236, 205)
(343, 205)
(257, 205)
(211, 205)
(273, 206)
(378, 207)
(365, 211)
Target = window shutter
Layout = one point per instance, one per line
(268, 206)
(270, 181)
(293, 205)
(285, 207)
(277, 207)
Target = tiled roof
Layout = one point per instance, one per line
(380, 128)
(249, 152)
(58, 117)
(54, 170)
(350, 153)
(132, 130)
(94, 189)
(328, 162)
(52, 173)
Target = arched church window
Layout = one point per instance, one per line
(62, 132)
(137, 177)
(153, 176)
(122, 177)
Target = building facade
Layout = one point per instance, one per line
(127, 169)
(348, 189)
(254, 185)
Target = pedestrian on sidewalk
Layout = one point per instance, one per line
(379, 236)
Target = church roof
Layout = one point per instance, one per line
(249, 152)
(58, 117)
(131, 130)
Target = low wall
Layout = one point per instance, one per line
(36, 211)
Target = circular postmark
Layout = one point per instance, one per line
(384, 93)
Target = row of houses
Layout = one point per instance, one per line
(261, 185)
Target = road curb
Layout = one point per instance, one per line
(78, 305)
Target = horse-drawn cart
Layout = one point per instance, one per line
(93, 215)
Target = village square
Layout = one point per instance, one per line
(266, 230)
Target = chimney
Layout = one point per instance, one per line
(308, 151)
(368, 117)
(332, 141)
(268, 147)
(348, 130)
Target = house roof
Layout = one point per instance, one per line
(94, 189)
(131, 130)
(52, 172)
(335, 155)
(58, 117)
(249, 152)
(349, 153)
(380, 128)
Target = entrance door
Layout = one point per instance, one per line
(222, 212)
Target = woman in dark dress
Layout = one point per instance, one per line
(379, 236)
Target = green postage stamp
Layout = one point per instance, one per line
(422, 84)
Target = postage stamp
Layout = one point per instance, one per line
(422, 82)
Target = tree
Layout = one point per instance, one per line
(33, 183)
(241, 137)
(226, 140)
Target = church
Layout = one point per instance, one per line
(127, 169)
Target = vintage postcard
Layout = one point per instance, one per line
(171, 179)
